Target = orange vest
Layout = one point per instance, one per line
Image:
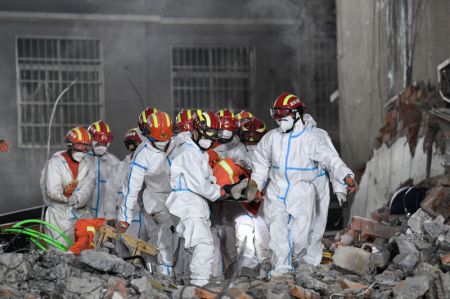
(227, 172)
(85, 230)
(73, 165)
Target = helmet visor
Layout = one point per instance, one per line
(210, 133)
(81, 147)
(279, 113)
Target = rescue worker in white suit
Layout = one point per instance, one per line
(103, 162)
(251, 224)
(192, 185)
(114, 188)
(150, 166)
(67, 182)
(223, 214)
(319, 221)
(291, 156)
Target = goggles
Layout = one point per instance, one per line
(251, 137)
(81, 147)
(279, 113)
(210, 133)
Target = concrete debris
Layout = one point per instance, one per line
(417, 219)
(434, 228)
(355, 260)
(106, 262)
(412, 287)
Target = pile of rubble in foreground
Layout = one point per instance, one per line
(394, 257)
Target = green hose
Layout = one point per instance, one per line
(59, 231)
(46, 237)
(35, 234)
(39, 245)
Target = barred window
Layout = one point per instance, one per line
(45, 67)
(212, 78)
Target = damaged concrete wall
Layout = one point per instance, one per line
(383, 46)
(389, 168)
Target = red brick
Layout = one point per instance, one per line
(372, 228)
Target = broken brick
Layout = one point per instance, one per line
(301, 293)
(236, 293)
(411, 287)
(205, 294)
(445, 259)
(372, 228)
(437, 202)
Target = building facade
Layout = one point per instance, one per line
(126, 55)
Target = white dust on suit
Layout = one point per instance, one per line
(292, 161)
(150, 166)
(192, 185)
(102, 169)
(54, 177)
(250, 226)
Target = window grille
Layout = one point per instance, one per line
(45, 66)
(212, 78)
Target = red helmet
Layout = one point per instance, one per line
(100, 132)
(79, 138)
(143, 117)
(227, 120)
(132, 138)
(185, 120)
(243, 116)
(252, 131)
(207, 124)
(287, 104)
(159, 126)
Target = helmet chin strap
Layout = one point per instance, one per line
(296, 118)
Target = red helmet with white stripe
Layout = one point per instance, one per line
(79, 138)
(132, 139)
(227, 120)
(252, 131)
(100, 132)
(207, 124)
(185, 120)
(159, 126)
(287, 104)
(143, 117)
(243, 116)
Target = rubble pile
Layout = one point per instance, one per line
(55, 274)
(391, 256)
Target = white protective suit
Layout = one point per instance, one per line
(150, 166)
(114, 196)
(319, 222)
(192, 185)
(54, 177)
(250, 226)
(292, 161)
(102, 168)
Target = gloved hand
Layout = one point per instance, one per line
(342, 198)
(252, 189)
(68, 190)
(75, 202)
(122, 226)
(235, 190)
(352, 186)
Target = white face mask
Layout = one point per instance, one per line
(251, 147)
(161, 145)
(205, 143)
(78, 156)
(100, 150)
(225, 134)
(286, 123)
